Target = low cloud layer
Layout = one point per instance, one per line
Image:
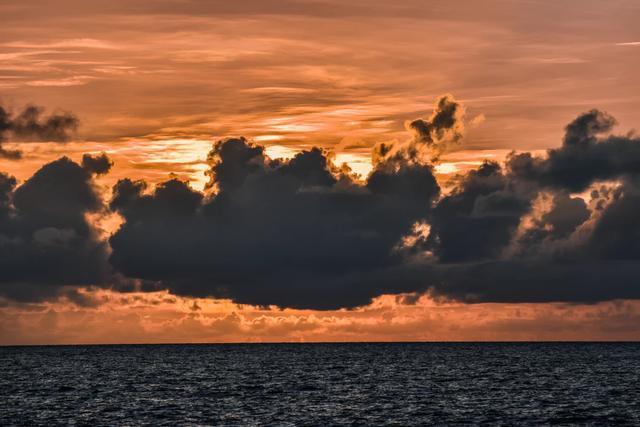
(307, 233)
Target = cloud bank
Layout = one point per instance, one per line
(307, 233)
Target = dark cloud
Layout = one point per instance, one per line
(583, 158)
(538, 280)
(9, 154)
(46, 241)
(99, 164)
(445, 126)
(31, 125)
(566, 214)
(566, 252)
(431, 137)
(616, 235)
(301, 233)
(478, 219)
(295, 233)
(305, 233)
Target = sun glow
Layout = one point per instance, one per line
(446, 168)
(359, 163)
(185, 158)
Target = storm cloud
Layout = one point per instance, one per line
(308, 233)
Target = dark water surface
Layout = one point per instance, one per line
(321, 384)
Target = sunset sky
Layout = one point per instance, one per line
(395, 229)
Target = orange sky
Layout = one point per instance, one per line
(155, 83)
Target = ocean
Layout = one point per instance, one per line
(322, 384)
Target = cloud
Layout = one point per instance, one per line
(66, 43)
(99, 164)
(9, 154)
(305, 233)
(61, 82)
(487, 251)
(431, 137)
(583, 158)
(301, 233)
(46, 242)
(478, 219)
(445, 125)
(615, 235)
(565, 216)
(297, 233)
(31, 125)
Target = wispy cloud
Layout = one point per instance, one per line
(61, 82)
(67, 43)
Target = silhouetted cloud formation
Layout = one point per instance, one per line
(30, 124)
(294, 232)
(565, 252)
(583, 157)
(47, 244)
(445, 126)
(307, 233)
(99, 164)
(431, 137)
(477, 220)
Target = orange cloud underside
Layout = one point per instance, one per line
(163, 318)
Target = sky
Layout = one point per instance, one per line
(318, 170)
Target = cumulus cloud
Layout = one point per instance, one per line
(443, 127)
(46, 242)
(300, 233)
(304, 233)
(569, 252)
(30, 124)
(431, 137)
(297, 233)
(477, 220)
(99, 164)
(583, 158)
